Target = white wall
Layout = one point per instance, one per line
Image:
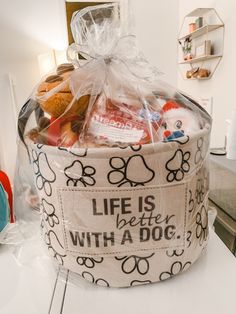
(27, 28)
(222, 85)
(157, 29)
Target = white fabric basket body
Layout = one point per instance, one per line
(175, 174)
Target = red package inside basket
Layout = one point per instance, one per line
(112, 122)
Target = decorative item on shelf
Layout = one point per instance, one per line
(197, 73)
(203, 30)
(192, 27)
(204, 49)
(199, 22)
(187, 48)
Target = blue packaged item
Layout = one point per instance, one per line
(4, 208)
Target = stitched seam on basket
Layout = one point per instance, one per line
(185, 212)
(108, 189)
(63, 222)
(119, 252)
(126, 252)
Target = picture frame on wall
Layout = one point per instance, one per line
(203, 49)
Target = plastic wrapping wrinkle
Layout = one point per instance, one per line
(118, 158)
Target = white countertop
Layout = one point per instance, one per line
(36, 288)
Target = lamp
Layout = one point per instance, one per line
(48, 61)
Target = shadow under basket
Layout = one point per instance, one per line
(122, 217)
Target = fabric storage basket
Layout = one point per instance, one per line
(119, 159)
(123, 217)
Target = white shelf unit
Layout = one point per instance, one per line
(202, 31)
(200, 59)
(209, 26)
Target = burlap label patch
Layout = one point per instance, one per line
(111, 221)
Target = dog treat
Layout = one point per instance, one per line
(55, 97)
(112, 122)
(64, 68)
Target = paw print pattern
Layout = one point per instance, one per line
(39, 146)
(198, 156)
(80, 175)
(178, 252)
(135, 148)
(74, 151)
(177, 166)
(176, 268)
(88, 261)
(44, 173)
(48, 213)
(131, 172)
(202, 225)
(188, 238)
(200, 191)
(101, 282)
(191, 203)
(139, 282)
(54, 246)
(135, 263)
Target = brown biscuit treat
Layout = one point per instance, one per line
(37, 136)
(51, 82)
(33, 135)
(53, 78)
(65, 67)
(43, 123)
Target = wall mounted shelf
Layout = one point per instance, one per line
(202, 31)
(201, 38)
(200, 59)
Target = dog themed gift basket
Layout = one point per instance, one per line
(119, 160)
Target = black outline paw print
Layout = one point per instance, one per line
(78, 173)
(178, 252)
(54, 246)
(176, 268)
(88, 262)
(133, 262)
(126, 172)
(191, 203)
(198, 156)
(202, 225)
(135, 283)
(200, 191)
(43, 180)
(48, 213)
(88, 276)
(134, 148)
(74, 151)
(180, 167)
(188, 238)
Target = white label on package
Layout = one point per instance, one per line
(109, 221)
(115, 134)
